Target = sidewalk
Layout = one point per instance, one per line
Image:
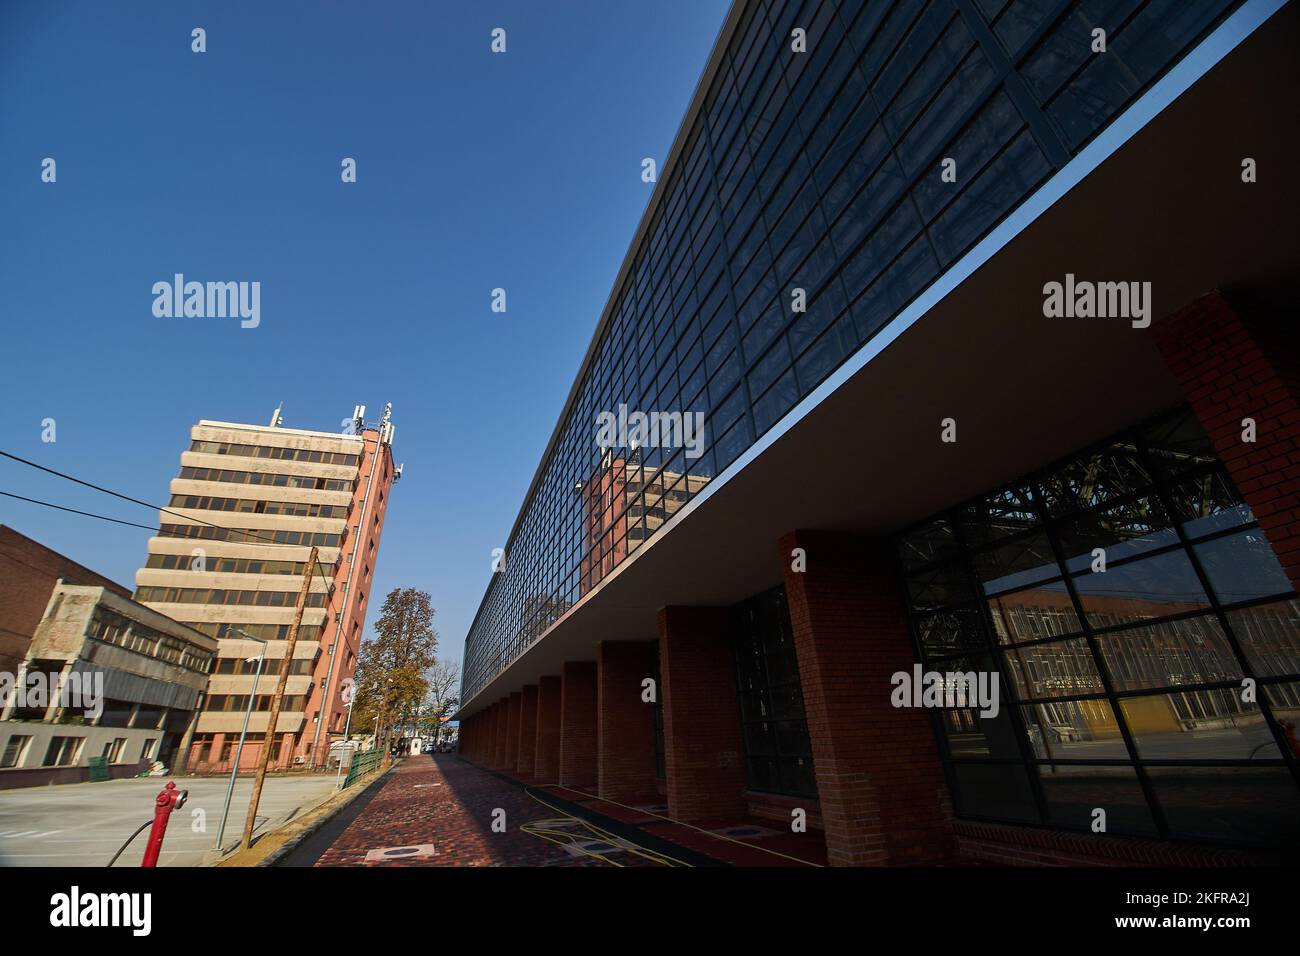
(438, 810)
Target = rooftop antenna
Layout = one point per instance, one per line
(276, 418)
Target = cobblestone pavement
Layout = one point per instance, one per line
(437, 810)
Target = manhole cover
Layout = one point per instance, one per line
(422, 852)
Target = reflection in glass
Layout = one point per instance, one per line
(1053, 669)
(1242, 567)
(1269, 635)
(1206, 725)
(1073, 730)
(1033, 614)
(1189, 651)
(1141, 590)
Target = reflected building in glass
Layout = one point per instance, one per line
(908, 458)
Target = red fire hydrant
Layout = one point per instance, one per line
(168, 800)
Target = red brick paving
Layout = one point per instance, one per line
(448, 802)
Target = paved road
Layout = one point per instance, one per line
(83, 824)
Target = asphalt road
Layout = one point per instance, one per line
(83, 824)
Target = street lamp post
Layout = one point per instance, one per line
(347, 728)
(252, 698)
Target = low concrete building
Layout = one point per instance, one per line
(103, 677)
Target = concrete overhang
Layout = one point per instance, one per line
(863, 454)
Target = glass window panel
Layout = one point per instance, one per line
(1269, 636)
(1074, 730)
(1122, 531)
(969, 733)
(1000, 791)
(1015, 562)
(931, 542)
(1176, 442)
(1140, 590)
(951, 631)
(1242, 567)
(1033, 614)
(1008, 511)
(1053, 669)
(1198, 725)
(1190, 651)
(1094, 479)
(1207, 503)
(1074, 793)
(1239, 804)
(939, 587)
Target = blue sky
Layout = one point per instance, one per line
(475, 171)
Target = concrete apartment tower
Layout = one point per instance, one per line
(249, 503)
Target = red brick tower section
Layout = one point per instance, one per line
(502, 708)
(702, 738)
(879, 778)
(578, 725)
(513, 706)
(546, 764)
(527, 749)
(1235, 365)
(625, 723)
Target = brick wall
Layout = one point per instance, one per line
(546, 766)
(28, 573)
(527, 750)
(880, 782)
(625, 761)
(514, 704)
(703, 751)
(501, 709)
(578, 725)
(1233, 366)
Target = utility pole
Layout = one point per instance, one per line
(285, 666)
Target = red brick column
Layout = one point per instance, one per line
(527, 750)
(546, 766)
(1232, 367)
(703, 751)
(513, 705)
(625, 733)
(879, 778)
(578, 725)
(499, 747)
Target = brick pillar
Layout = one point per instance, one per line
(578, 725)
(513, 706)
(879, 778)
(546, 766)
(1232, 366)
(703, 752)
(527, 751)
(499, 747)
(625, 734)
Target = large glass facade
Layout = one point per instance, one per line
(1146, 639)
(818, 171)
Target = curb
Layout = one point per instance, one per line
(331, 810)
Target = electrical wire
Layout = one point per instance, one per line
(329, 587)
(87, 514)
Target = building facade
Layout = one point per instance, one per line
(249, 504)
(116, 681)
(992, 545)
(29, 571)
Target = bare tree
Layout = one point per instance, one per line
(441, 697)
